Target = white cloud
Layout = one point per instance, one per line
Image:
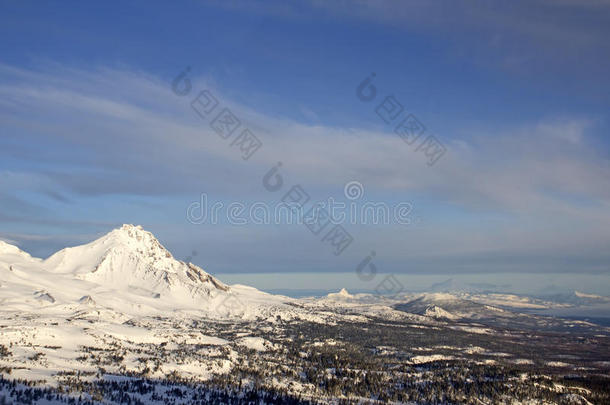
(130, 125)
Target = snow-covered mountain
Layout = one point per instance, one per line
(132, 258)
(341, 295)
(127, 271)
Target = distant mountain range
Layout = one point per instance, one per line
(128, 271)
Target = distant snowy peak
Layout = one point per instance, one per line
(434, 311)
(130, 257)
(343, 294)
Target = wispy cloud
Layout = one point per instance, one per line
(73, 133)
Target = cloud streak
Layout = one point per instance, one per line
(73, 134)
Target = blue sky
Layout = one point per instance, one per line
(92, 136)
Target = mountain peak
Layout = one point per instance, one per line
(132, 240)
(128, 233)
(131, 258)
(341, 294)
(131, 230)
